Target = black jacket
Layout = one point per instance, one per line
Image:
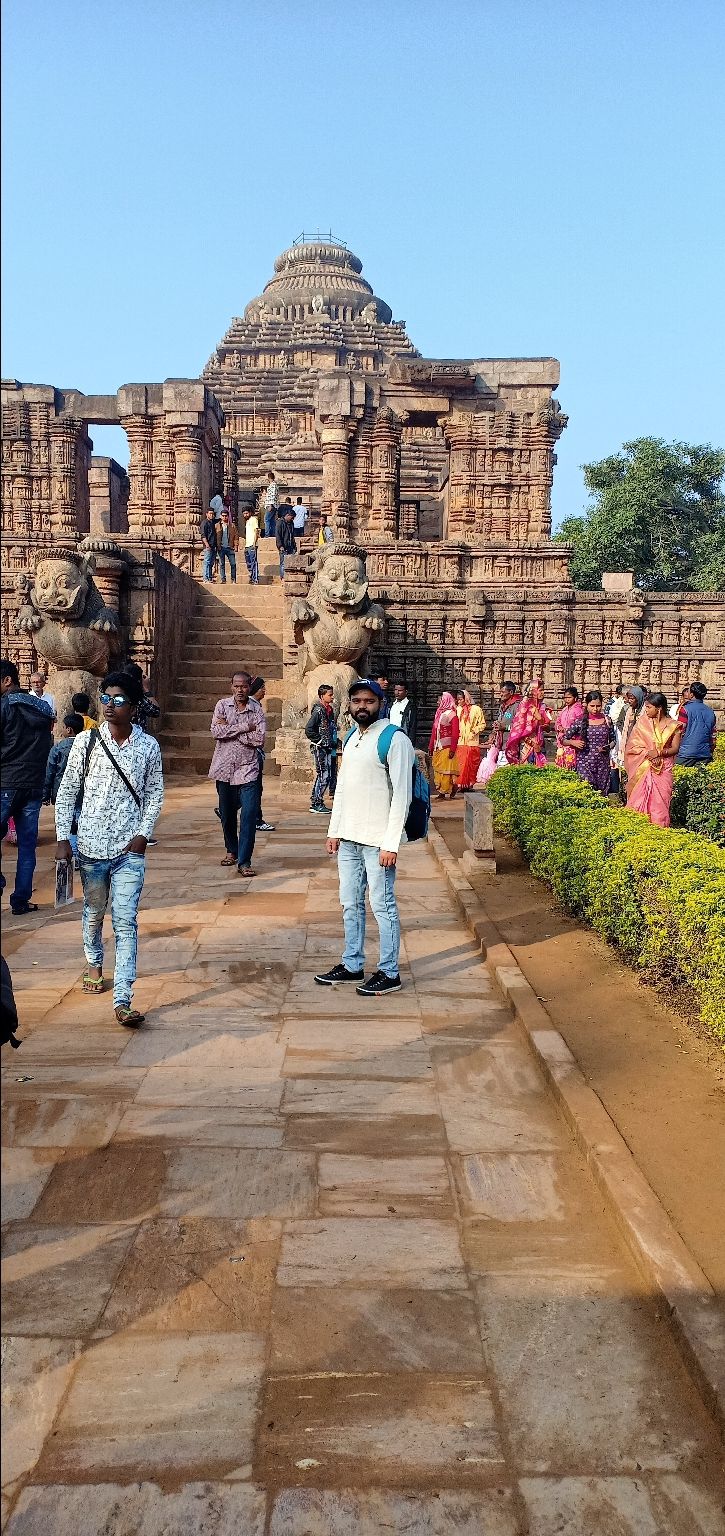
(285, 536)
(27, 736)
(409, 720)
(321, 728)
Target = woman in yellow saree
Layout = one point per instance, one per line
(649, 755)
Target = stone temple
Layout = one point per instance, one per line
(440, 469)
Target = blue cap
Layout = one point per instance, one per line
(366, 682)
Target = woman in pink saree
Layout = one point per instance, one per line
(567, 721)
(649, 755)
(526, 739)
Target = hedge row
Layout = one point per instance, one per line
(698, 801)
(658, 894)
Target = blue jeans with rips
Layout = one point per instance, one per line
(25, 811)
(359, 869)
(122, 879)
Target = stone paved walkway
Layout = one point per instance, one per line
(290, 1261)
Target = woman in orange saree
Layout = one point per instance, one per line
(649, 757)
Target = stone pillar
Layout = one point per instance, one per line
(164, 477)
(188, 493)
(231, 476)
(461, 477)
(335, 434)
(140, 434)
(64, 433)
(386, 472)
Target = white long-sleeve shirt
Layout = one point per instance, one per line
(109, 816)
(372, 799)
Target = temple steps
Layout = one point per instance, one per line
(231, 627)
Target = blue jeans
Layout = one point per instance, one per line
(239, 838)
(122, 878)
(252, 559)
(326, 774)
(224, 555)
(25, 811)
(270, 522)
(359, 869)
(209, 564)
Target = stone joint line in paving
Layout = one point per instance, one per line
(291, 1262)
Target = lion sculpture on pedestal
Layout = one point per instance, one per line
(72, 629)
(333, 627)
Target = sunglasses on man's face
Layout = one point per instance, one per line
(117, 700)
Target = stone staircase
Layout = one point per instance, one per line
(232, 628)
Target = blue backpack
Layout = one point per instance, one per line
(416, 823)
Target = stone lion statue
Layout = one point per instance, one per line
(72, 629)
(334, 625)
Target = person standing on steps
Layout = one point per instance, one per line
(239, 728)
(257, 692)
(27, 737)
(227, 539)
(118, 769)
(301, 515)
(286, 542)
(372, 801)
(270, 504)
(321, 732)
(209, 536)
(251, 541)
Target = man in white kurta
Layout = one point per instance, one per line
(366, 829)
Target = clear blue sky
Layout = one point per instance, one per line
(518, 178)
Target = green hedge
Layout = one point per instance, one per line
(658, 894)
(698, 801)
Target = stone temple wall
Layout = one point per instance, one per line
(456, 615)
(441, 468)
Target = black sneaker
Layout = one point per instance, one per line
(378, 984)
(338, 973)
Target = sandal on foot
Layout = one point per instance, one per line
(246, 871)
(128, 1016)
(228, 860)
(92, 983)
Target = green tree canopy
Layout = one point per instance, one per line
(657, 509)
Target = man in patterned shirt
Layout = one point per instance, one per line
(119, 768)
(239, 727)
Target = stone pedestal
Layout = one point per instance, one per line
(479, 857)
(292, 753)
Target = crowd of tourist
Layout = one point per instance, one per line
(104, 779)
(284, 521)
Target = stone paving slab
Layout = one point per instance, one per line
(340, 1251)
(309, 1512)
(379, 1429)
(290, 1262)
(147, 1404)
(117, 1509)
(314, 1328)
(57, 1280)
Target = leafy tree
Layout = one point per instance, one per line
(657, 509)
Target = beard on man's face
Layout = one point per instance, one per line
(363, 714)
